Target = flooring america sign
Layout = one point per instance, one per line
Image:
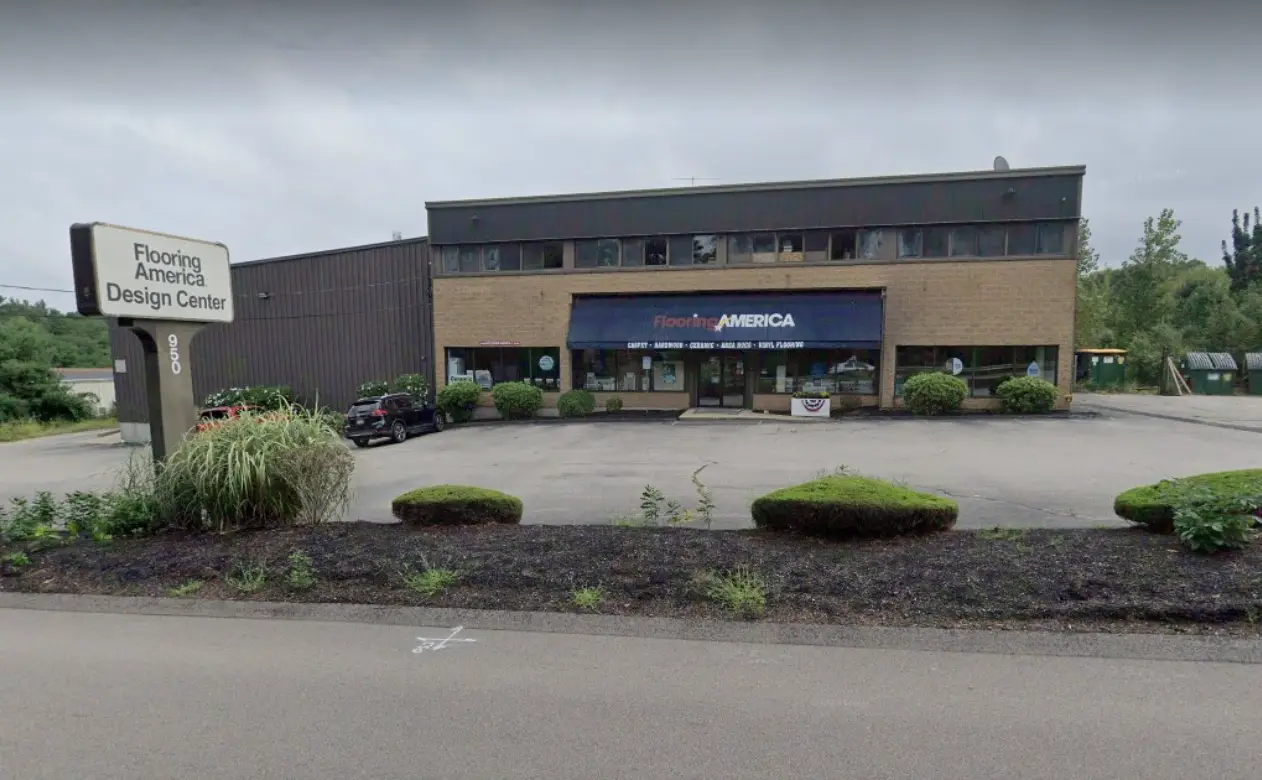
(717, 324)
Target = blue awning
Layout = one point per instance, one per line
(779, 320)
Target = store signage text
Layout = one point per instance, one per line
(717, 324)
(716, 345)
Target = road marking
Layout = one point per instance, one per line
(433, 644)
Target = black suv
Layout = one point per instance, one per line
(394, 416)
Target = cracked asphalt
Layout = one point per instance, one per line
(1054, 472)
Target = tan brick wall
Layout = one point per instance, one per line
(968, 303)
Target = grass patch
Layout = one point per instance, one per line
(1001, 534)
(186, 589)
(429, 582)
(300, 574)
(741, 591)
(456, 505)
(33, 429)
(854, 506)
(1153, 506)
(247, 577)
(589, 598)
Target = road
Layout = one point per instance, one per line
(127, 696)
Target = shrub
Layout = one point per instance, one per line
(412, 384)
(613, 404)
(934, 393)
(269, 397)
(456, 505)
(1153, 506)
(516, 400)
(373, 388)
(257, 471)
(1027, 395)
(853, 506)
(576, 403)
(457, 400)
(1207, 522)
(34, 390)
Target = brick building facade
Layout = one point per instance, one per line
(973, 273)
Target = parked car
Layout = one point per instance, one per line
(393, 416)
(217, 414)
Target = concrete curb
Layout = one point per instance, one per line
(1174, 418)
(1157, 647)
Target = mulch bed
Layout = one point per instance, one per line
(1099, 580)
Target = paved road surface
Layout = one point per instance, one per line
(114, 697)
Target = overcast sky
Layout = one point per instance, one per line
(284, 127)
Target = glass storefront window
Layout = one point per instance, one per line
(488, 366)
(983, 368)
(838, 372)
(628, 371)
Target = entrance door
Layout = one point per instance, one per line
(721, 379)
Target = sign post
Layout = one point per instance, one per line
(165, 289)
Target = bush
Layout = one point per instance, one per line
(33, 390)
(1153, 506)
(853, 506)
(456, 505)
(373, 388)
(516, 400)
(576, 403)
(412, 384)
(457, 400)
(934, 393)
(1207, 522)
(1027, 395)
(269, 397)
(257, 471)
(613, 404)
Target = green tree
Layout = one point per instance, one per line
(1140, 298)
(1244, 259)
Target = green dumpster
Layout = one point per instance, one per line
(1102, 368)
(1210, 373)
(1253, 364)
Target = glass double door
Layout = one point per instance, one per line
(721, 379)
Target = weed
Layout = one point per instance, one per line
(705, 500)
(186, 589)
(16, 559)
(300, 575)
(1208, 521)
(742, 591)
(839, 471)
(999, 534)
(429, 582)
(1056, 541)
(247, 577)
(624, 521)
(589, 598)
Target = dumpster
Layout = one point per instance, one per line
(1210, 373)
(1253, 364)
(1102, 368)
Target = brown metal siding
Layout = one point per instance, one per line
(331, 321)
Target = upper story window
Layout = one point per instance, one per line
(542, 256)
(600, 253)
(705, 250)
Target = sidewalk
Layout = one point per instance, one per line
(714, 414)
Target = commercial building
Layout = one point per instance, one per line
(321, 323)
(740, 295)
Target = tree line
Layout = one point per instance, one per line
(1161, 301)
(35, 340)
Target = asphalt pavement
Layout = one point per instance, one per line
(112, 696)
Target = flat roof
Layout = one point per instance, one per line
(1014, 173)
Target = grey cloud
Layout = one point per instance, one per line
(285, 127)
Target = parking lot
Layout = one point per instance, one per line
(1010, 472)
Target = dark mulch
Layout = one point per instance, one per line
(1115, 580)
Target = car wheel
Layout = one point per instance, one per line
(398, 432)
(440, 422)
(360, 442)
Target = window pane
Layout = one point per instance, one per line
(993, 364)
(1051, 239)
(817, 241)
(681, 250)
(773, 373)
(508, 364)
(740, 249)
(490, 258)
(585, 253)
(553, 255)
(632, 252)
(451, 260)
(871, 244)
(964, 242)
(990, 241)
(705, 250)
(668, 372)
(911, 243)
(791, 243)
(510, 257)
(1042, 359)
(839, 372)
(844, 245)
(470, 259)
(935, 242)
(607, 251)
(1021, 239)
(532, 257)
(909, 361)
(655, 251)
(545, 368)
(763, 243)
(595, 370)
